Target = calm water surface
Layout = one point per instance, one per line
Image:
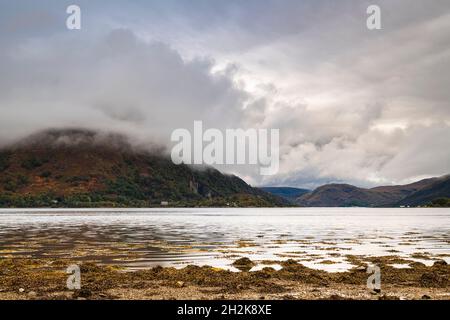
(319, 237)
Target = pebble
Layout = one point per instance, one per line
(21, 290)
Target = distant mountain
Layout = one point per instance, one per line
(344, 195)
(290, 194)
(78, 168)
(438, 189)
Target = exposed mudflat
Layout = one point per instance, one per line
(140, 239)
(298, 253)
(45, 279)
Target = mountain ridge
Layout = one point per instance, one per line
(439, 189)
(345, 195)
(83, 168)
(288, 193)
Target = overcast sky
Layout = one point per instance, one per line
(352, 105)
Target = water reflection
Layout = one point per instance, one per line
(318, 238)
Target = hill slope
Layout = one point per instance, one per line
(76, 168)
(439, 189)
(288, 193)
(344, 195)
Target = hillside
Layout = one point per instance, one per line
(439, 189)
(344, 195)
(288, 193)
(77, 168)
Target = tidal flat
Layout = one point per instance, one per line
(46, 280)
(225, 253)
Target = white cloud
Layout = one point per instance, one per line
(352, 105)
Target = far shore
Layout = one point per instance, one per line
(162, 208)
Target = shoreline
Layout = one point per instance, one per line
(159, 207)
(45, 279)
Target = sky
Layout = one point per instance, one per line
(353, 105)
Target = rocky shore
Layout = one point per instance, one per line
(47, 279)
